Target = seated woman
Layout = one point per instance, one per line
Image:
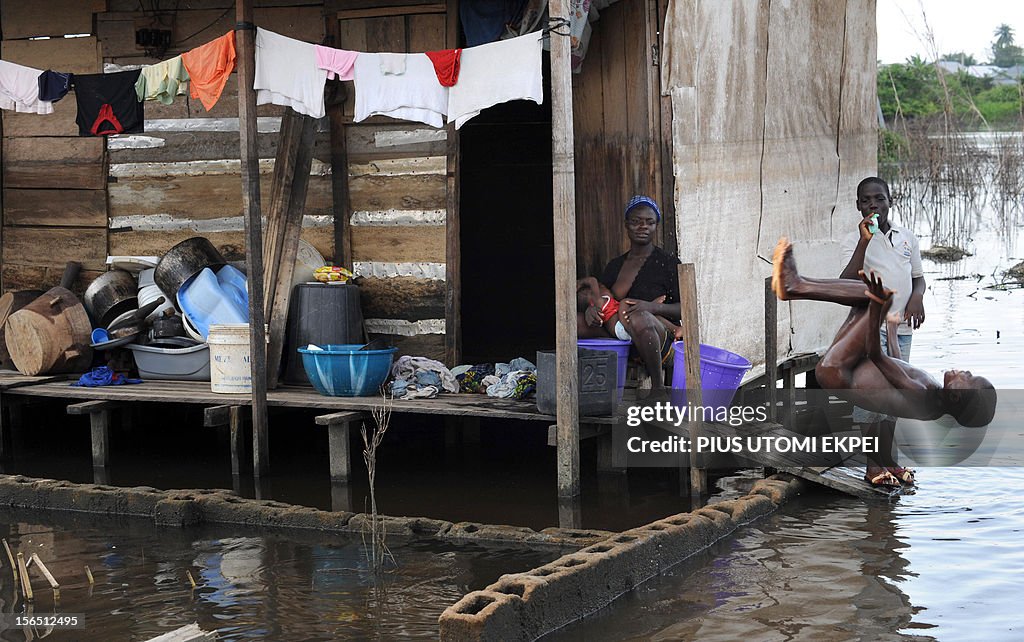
(856, 368)
(645, 284)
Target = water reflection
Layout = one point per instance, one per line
(826, 569)
(249, 587)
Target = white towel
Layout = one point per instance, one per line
(287, 74)
(414, 95)
(496, 73)
(19, 89)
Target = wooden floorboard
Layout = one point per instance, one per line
(198, 393)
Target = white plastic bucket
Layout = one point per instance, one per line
(230, 371)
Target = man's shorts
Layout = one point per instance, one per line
(862, 416)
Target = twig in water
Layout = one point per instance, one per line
(46, 573)
(26, 584)
(88, 575)
(381, 418)
(191, 580)
(10, 558)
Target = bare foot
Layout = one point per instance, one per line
(784, 274)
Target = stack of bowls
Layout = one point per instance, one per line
(149, 291)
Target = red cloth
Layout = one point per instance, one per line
(446, 65)
(609, 309)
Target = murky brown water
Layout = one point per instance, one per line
(946, 563)
(251, 586)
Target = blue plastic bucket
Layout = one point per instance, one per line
(343, 370)
(621, 350)
(721, 372)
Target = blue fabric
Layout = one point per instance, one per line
(484, 21)
(54, 85)
(639, 200)
(103, 376)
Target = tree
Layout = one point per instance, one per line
(965, 59)
(1004, 52)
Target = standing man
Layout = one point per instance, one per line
(893, 253)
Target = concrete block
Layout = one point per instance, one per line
(177, 512)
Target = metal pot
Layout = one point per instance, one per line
(183, 261)
(111, 295)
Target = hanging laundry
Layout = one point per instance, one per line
(392, 63)
(19, 89)
(496, 73)
(162, 81)
(287, 74)
(485, 21)
(209, 67)
(414, 95)
(338, 63)
(54, 85)
(108, 104)
(446, 65)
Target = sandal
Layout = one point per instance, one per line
(884, 479)
(905, 475)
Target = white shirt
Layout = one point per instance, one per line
(896, 257)
(287, 74)
(496, 73)
(19, 89)
(414, 94)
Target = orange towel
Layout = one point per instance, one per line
(209, 67)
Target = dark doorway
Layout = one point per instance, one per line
(506, 234)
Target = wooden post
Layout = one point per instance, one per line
(245, 36)
(694, 393)
(338, 435)
(284, 227)
(771, 357)
(564, 202)
(99, 425)
(453, 230)
(237, 439)
(342, 208)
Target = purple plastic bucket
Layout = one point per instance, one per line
(621, 350)
(721, 372)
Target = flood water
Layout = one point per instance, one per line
(946, 563)
(250, 586)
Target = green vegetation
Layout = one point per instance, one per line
(917, 90)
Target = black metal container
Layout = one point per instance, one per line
(112, 294)
(182, 262)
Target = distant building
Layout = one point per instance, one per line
(998, 75)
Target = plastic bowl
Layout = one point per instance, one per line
(343, 370)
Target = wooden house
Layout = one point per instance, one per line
(746, 119)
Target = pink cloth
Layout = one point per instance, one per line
(337, 62)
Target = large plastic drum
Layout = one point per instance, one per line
(320, 314)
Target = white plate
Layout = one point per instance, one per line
(133, 264)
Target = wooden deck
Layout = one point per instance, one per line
(340, 412)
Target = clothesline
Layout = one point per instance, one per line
(429, 87)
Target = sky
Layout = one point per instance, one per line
(957, 25)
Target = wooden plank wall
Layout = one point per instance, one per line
(397, 189)
(617, 130)
(54, 183)
(181, 177)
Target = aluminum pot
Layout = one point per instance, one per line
(111, 295)
(183, 261)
